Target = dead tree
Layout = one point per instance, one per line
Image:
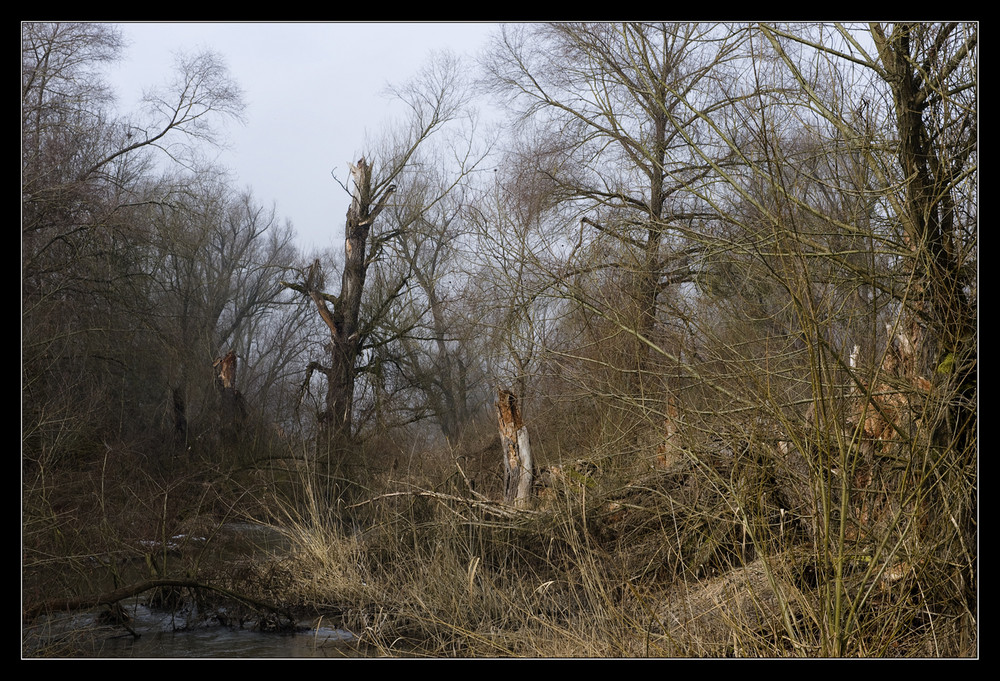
(436, 98)
(516, 449)
(226, 368)
(233, 410)
(341, 313)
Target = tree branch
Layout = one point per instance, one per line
(85, 602)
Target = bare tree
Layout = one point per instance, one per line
(431, 344)
(931, 71)
(214, 262)
(87, 175)
(855, 201)
(613, 147)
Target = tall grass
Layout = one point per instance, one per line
(737, 543)
(735, 547)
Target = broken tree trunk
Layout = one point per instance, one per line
(232, 410)
(344, 320)
(226, 366)
(516, 449)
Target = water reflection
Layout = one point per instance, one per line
(221, 641)
(163, 635)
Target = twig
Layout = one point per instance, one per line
(492, 507)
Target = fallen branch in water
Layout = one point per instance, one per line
(111, 597)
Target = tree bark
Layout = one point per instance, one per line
(180, 416)
(941, 321)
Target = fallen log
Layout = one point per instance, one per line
(120, 594)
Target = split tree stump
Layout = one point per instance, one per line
(516, 449)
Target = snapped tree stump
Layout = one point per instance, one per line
(226, 367)
(233, 409)
(516, 450)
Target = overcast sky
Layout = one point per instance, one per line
(313, 90)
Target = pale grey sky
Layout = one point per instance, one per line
(313, 90)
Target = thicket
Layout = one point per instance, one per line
(730, 273)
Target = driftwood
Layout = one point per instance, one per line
(117, 595)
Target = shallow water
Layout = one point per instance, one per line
(164, 635)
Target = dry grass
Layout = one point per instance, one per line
(718, 550)
(702, 557)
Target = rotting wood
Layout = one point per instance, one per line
(669, 448)
(884, 418)
(516, 449)
(226, 366)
